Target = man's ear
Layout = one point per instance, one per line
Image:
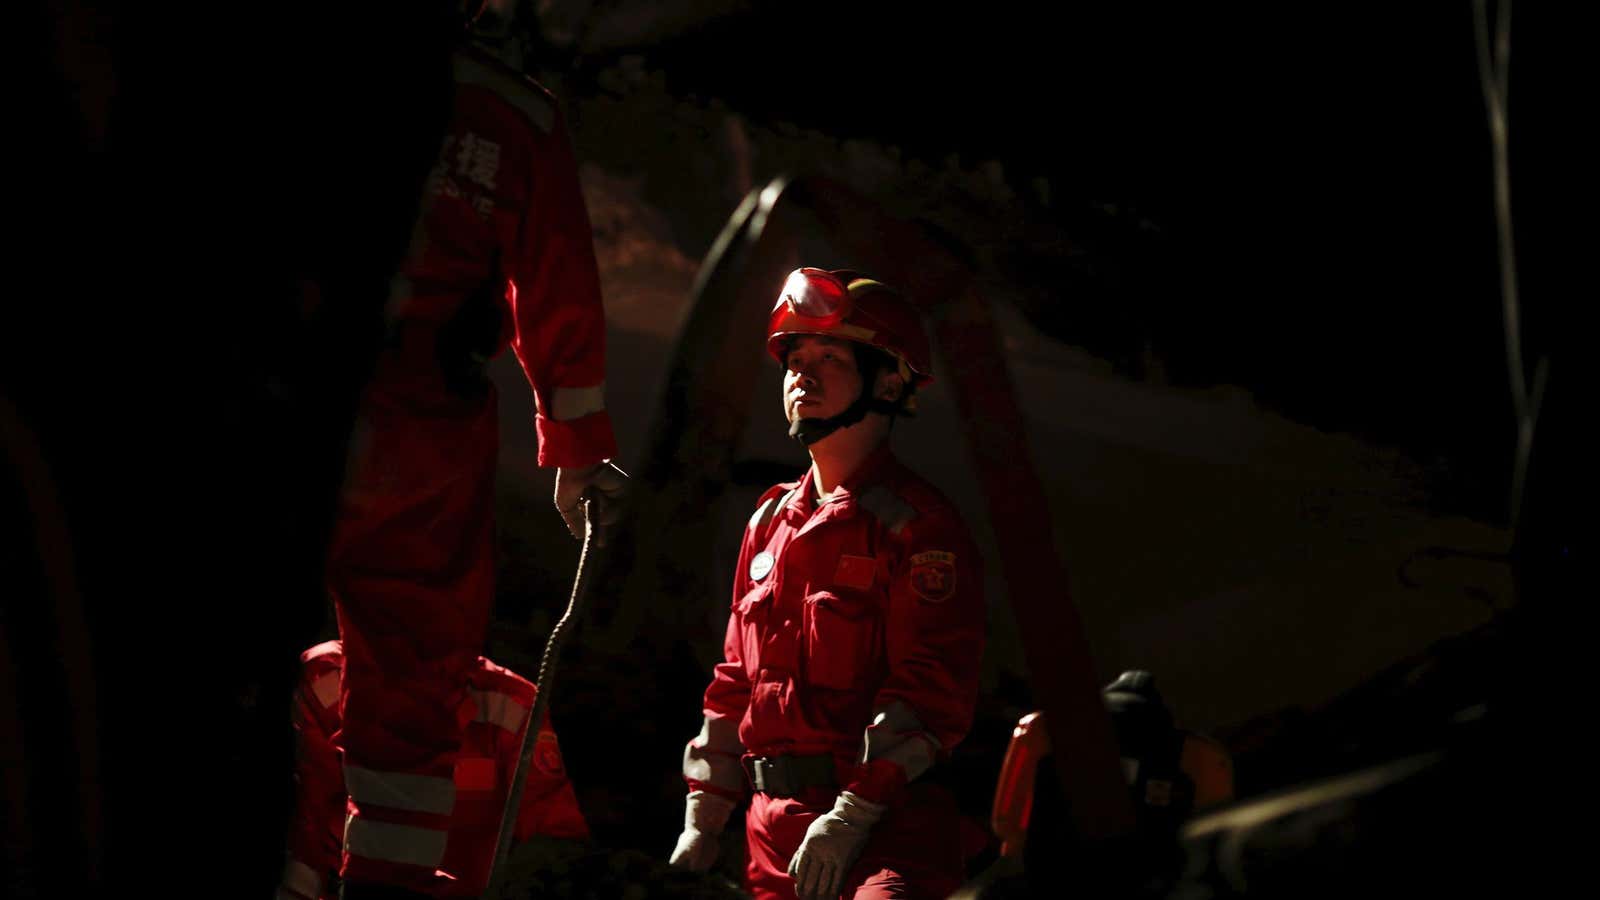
(890, 386)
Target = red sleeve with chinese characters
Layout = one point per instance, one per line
(558, 321)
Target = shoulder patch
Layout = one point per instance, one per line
(894, 512)
(933, 575)
(534, 104)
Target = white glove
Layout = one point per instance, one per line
(704, 816)
(831, 846)
(602, 485)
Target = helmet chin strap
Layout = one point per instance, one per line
(810, 430)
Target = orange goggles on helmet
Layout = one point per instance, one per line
(816, 297)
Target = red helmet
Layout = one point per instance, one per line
(844, 304)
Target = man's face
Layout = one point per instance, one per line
(820, 377)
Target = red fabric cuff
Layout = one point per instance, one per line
(575, 442)
(880, 781)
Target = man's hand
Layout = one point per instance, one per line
(594, 491)
(831, 846)
(704, 816)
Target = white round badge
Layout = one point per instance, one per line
(760, 566)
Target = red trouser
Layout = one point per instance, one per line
(915, 851)
(411, 572)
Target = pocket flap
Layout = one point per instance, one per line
(753, 599)
(844, 605)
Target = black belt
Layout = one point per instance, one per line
(786, 776)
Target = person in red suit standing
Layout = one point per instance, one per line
(852, 653)
(502, 256)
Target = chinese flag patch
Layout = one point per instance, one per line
(933, 575)
(855, 571)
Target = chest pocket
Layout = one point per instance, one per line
(841, 639)
(754, 610)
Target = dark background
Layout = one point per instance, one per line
(1295, 201)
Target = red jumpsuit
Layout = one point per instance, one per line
(504, 248)
(494, 715)
(873, 597)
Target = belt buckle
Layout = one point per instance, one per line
(752, 771)
(770, 776)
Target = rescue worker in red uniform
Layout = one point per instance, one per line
(853, 645)
(502, 255)
(493, 717)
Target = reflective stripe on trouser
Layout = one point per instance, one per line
(406, 850)
(400, 790)
(411, 574)
(407, 845)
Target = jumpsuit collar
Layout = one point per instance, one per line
(842, 502)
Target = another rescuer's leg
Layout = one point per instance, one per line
(411, 573)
